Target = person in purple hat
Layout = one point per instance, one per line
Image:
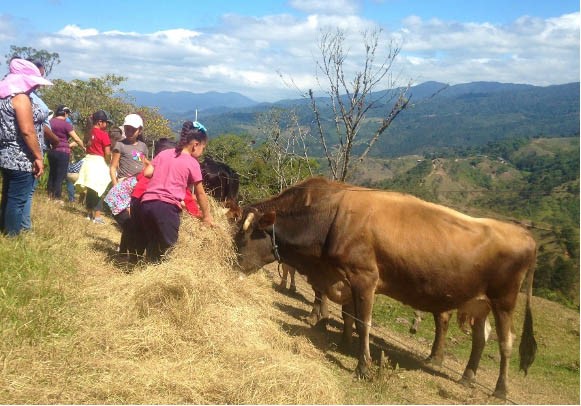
(21, 141)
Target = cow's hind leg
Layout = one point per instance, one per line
(418, 315)
(442, 322)
(478, 342)
(503, 331)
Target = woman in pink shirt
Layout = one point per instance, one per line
(171, 171)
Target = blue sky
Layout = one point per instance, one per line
(245, 46)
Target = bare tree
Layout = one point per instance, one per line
(285, 147)
(351, 100)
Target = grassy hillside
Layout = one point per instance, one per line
(471, 114)
(78, 328)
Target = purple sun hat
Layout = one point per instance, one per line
(23, 77)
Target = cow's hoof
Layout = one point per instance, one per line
(500, 394)
(362, 373)
(468, 379)
(293, 289)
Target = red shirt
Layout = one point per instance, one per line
(192, 204)
(140, 186)
(99, 140)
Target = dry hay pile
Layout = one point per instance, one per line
(190, 330)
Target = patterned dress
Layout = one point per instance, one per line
(14, 153)
(119, 197)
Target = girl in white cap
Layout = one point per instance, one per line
(128, 158)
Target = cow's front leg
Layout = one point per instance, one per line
(363, 305)
(320, 313)
(347, 311)
(442, 321)
(293, 284)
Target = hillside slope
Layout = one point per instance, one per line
(192, 330)
(471, 114)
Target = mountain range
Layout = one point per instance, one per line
(439, 116)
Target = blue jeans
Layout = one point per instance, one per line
(17, 187)
(26, 218)
(58, 162)
(71, 190)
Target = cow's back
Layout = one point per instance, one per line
(425, 253)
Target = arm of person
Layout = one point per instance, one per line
(50, 136)
(148, 170)
(115, 156)
(77, 139)
(203, 203)
(107, 154)
(23, 109)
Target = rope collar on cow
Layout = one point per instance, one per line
(247, 223)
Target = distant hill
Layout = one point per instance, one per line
(172, 103)
(439, 116)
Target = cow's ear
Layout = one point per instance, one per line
(267, 220)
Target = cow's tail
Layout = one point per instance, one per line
(528, 344)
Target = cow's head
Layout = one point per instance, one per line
(253, 239)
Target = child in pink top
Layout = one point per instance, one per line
(171, 171)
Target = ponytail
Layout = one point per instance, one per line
(191, 131)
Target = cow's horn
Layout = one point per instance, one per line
(248, 221)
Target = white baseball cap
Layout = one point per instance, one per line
(134, 120)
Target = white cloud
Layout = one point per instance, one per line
(531, 50)
(245, 54)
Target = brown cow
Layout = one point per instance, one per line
(351, 242)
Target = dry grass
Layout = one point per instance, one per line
(187, 331)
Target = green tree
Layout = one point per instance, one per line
(48, 59)
(256, 165)
(86, 97)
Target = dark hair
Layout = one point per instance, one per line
(162, 144)
(37, 62)
(61, 110)
(189, 133)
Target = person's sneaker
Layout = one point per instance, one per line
(99, 220)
